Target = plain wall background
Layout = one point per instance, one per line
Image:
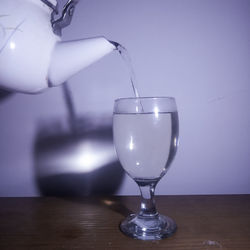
(195, 50)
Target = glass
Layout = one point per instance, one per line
(146, 138)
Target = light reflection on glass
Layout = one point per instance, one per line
(175, 142)
(156, 112)
(12, 45)
(131, 143)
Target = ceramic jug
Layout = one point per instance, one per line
(32, 55)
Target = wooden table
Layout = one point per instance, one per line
(204, 222)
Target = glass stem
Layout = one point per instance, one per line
(148, 208)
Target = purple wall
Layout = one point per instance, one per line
(197, 51)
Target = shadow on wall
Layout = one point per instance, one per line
(4, 94)
(76, 160)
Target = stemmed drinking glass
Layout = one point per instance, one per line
(146, 138)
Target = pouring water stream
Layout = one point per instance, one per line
(126, 58)
(69, 98)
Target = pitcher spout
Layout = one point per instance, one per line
(68, 58)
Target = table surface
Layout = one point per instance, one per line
(204, 222)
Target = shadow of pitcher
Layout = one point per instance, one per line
(76, 162)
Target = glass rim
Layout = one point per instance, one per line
(144, 98)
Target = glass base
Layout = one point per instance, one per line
(148, 228)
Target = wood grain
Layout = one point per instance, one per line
(204, 222)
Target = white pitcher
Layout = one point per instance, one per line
(32, 55)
